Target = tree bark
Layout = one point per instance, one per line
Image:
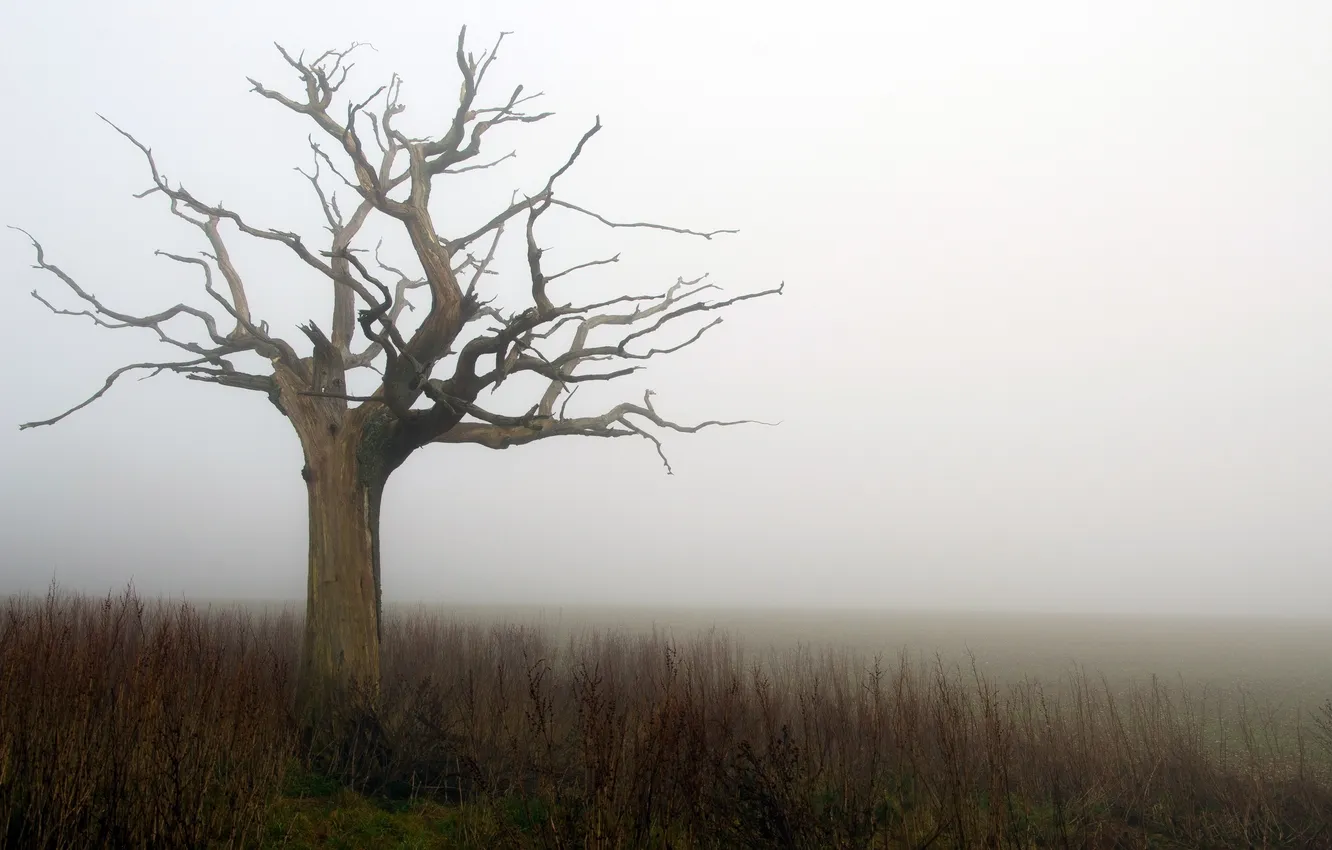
(349, 455)
(340, 651)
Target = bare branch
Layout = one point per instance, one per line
(581, 266)
(181, 195)
(440, 155)
(262, 343)
(471, 301)
(108, 318)
(321, 83)
(501, 432)
(398, 302)
(157, 368)
(706, 234)
(480, 166)
(238, 307)
(495, 223)
(322, 80)
(240, 380)
(542, 203)
(378, 311)
(579, 352)
(328, 202)
(696, 307)
(246, 337)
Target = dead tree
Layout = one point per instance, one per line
(351, 443)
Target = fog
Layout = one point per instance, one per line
(1054, 335)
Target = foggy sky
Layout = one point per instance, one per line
(1055, 333)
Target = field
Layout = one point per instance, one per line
(131, 723)
(1282, 659)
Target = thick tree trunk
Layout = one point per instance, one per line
(340, 652)
(345, 474)
(349, 455)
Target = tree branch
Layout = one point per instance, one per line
(183, 196)
(108, 318)
(501, 432)
(706, 234)
(581, 266)
(190, 368)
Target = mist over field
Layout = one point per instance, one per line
(1281, 661)
(1054, 334)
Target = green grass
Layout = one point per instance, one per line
(351, 821)
(315, 811)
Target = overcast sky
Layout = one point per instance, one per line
(1055, 333)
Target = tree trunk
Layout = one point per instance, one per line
(345, 474)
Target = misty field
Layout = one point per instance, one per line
(135, 723)
(1286, 660)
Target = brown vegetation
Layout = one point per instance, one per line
(125, 725)
(155, 725)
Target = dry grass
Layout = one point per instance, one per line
(130, 725)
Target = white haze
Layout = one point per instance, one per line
(1055, 334)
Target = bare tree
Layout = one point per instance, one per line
(353, 443)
